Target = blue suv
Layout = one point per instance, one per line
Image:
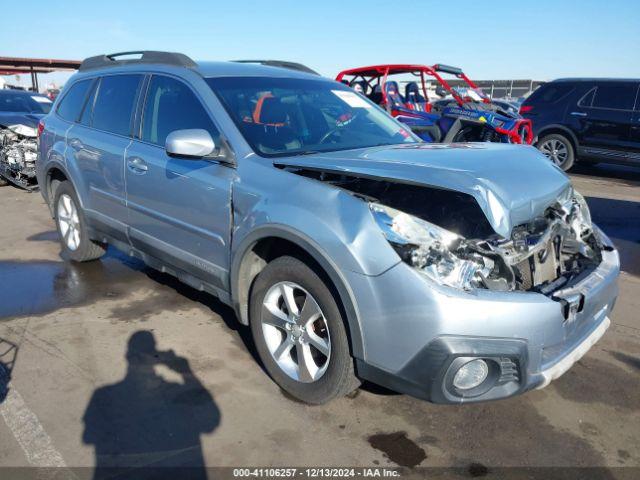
(352, 250)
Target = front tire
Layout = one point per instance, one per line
(72, 226)
(558, 149)
(299, 332)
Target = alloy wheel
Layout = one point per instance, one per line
(555, 150)
(68, 222)
(296, 332)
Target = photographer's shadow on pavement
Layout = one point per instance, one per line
(146, 427)
(8, 353)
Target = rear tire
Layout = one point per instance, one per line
(72, 226)
(302, 369)
(3, 182)
(558, 149)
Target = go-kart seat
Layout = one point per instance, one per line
(414, 99)
(360, 87)
(394, 99)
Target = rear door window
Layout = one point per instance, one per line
(170, 106)
(72, 103)
(552, 92)
(115, 103)
(615, 96)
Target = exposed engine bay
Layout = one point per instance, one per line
(446, 235)
(18, 153)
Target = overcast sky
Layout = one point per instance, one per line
(541, 39)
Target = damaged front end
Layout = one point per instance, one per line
(446, 236)
(18, 153)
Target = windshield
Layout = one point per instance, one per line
(288, 116)
(24, 103)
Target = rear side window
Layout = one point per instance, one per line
(73, 101)
(115, 103)
(587, 99)
(551, 93)
(87, 113)
(171, 105)
(615, 96)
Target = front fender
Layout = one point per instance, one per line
(334, 227)
(547, 129)
(284, 232)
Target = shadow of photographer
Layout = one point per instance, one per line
(146, 426)
(8, 354)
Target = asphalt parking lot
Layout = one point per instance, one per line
(174, 373)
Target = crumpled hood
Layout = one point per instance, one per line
(511, 183)
(19, 118)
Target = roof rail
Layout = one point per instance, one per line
(143, 56)
(282, 64)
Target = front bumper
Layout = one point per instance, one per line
(528, 339)
(557, 370)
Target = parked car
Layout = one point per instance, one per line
(20, 112)
(455, 273)
(468, 115)
(586, 119)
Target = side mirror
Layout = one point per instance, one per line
(441, 91)
(192, 143)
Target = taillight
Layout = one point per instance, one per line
(40, 128)
(525, 109)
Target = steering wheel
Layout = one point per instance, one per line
(328, 135)
(336, 129)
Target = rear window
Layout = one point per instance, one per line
(615, 96)
(72, 102)
(115, 103)
(551, 93)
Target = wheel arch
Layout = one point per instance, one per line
(269, 242)
(560, 130)
(55, 174)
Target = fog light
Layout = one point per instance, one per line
(471, 374)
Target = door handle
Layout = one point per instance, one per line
(137, 165)
(578, 114)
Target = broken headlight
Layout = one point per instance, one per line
(581, 219)
(441, 255)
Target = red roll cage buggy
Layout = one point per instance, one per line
(500, 126)
(378, 72)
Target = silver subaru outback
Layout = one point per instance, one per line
(352, 250)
